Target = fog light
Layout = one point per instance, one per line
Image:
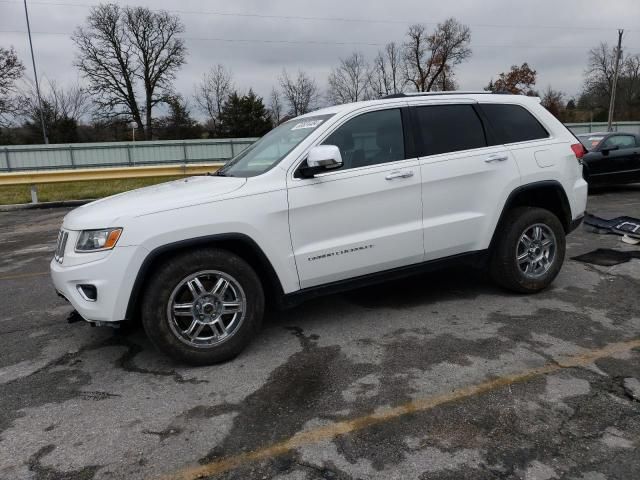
(88, 292)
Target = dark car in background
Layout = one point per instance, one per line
(611, 158)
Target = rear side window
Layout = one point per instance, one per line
(621, 141)
(513, 123)
(449, 128)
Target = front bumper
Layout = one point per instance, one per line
(113, 276)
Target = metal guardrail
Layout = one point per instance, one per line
(59, 176)
(118, 154)
(626, 127)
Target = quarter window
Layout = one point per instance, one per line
(370, 139)
(449, 128)
(513, 123)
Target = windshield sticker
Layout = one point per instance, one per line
(307, 124)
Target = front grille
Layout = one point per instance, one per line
(60, 246)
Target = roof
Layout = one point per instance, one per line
(426, 96)
(604, 134)
(592, 134)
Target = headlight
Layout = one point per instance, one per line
(95, 240)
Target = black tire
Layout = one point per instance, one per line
(504, 267)
(170, 275)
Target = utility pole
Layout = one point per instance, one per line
(35, 74)
(615, 81)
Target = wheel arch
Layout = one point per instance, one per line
(238, 243)
(547, 194)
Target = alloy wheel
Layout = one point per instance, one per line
(206, 308)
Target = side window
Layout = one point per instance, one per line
(449, 128)
(370, 139)
(622, 141)
(513, 123)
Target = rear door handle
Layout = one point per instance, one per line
(496, 158)
(399, 174)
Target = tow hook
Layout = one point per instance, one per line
(74, 317)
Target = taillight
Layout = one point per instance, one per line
(578, 150)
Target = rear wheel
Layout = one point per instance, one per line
(529, 250)
(203, 307)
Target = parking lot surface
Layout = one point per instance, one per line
(442, 376)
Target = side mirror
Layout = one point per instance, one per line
(606, 150)
(320, 159)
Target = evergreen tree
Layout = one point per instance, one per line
(178, 124)
(244, 116)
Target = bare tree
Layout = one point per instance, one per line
(598, 82)
(73, 102)
(385, 73)
(11, 70)
(301, 93)
(629, 81)
(213, 91)
(600, 69)
(429, 59)
(349, 82)
(553, 100)
(121, 49)
(275, 107)
(62, 111)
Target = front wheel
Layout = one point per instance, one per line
(203, 307)
(529, 250)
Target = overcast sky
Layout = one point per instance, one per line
(554, 36)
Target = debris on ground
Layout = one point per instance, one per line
(624, 225)
(607, 257)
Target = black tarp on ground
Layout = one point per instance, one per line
(620, 225)
(607, 257)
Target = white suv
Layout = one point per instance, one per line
(341, 197)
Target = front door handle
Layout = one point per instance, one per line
(399, 174)
(496, 158)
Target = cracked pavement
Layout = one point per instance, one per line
(91, 403)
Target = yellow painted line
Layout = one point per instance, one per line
(23, 275)
(113, 173)
(420, 405)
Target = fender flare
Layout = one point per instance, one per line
(244, 244)
(554, 185)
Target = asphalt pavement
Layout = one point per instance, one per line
(442, 376)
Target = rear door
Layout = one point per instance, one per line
(465, 182)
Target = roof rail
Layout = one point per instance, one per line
(448, 92)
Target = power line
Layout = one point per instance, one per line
(334, 19)
(323, 42)
(35, 76)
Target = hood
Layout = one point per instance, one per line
(113, 211)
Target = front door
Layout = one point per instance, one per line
(620, 164)
(365, 217)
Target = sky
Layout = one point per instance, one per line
(256, 39)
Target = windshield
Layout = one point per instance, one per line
(272, 148)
